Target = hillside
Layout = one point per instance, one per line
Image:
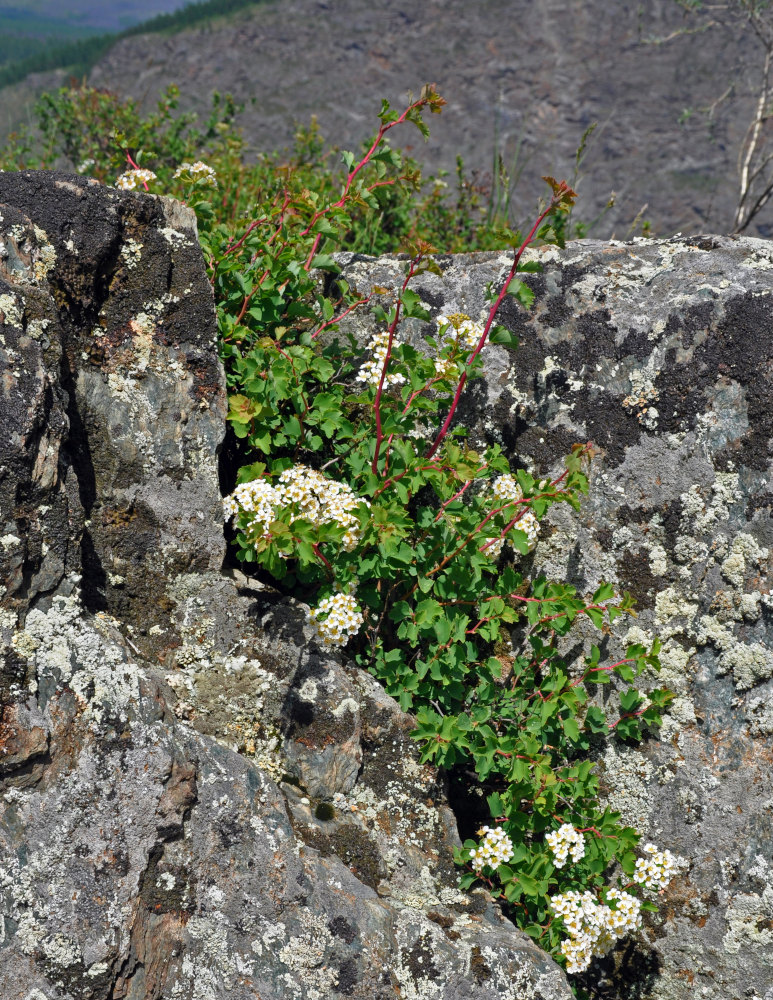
(42, 18)
(524, 76)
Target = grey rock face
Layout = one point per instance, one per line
(108, 338)
(661, 353)
(195, 803)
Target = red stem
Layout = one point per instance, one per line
(350, 178)
(134, 166)
(489, 322)
(337, 319)
(392, 327)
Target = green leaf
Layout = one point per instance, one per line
(571, 729)
(595, 720)
(521, 292)
(496, 808)
(630, 700)
(604, 593)
(528, 885)
(501, 335)
(324, 262)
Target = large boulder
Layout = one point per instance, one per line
(661, 354)
(195, 802)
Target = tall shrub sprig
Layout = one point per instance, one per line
(411, 545)
(360, 493)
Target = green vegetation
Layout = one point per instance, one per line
(21, 56)
(95, 132)
(359, 494)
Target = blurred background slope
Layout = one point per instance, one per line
(523, 80)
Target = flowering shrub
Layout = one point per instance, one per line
(96, 133)
(365, 493)
(362, 494)
(361, 490)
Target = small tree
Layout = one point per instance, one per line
(755, 155)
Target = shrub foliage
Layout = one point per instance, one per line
(359, 492)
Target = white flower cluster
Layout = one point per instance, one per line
(321, 500)
(656, 871)
(258, 497)
(465, 333)
(132, 178)
(313, 496)
(336, 619)
(494, 850)
(370, 373)
(197, 171)
(566, 841)
(505, 488)
(593, 926)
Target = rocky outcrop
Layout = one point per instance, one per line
(198, 803)
(195, 803)
(661, 353)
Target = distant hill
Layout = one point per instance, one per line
(43, 37)
(43, 18)
(524, 77)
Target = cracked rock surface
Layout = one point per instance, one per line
(661, 354)
(195, 803)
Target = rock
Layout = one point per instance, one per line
(195, 801)
(661, 353)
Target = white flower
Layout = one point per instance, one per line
(461, 328)
(656, 871)
(506, 490)
(494, 850)
(336, 619)
(593, 926)
(565, 841)
(132, 178)
(370, 372)
(306, 494)
(198, 171)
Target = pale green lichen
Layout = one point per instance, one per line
(45, 258)
(749, 919)
(304, 955)
(67, 649)
(174, 238)
(632, 774)
(759, 715)
(749, 663)
(131, 254)
(743, 551)
(36, 328)
(10, 309)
